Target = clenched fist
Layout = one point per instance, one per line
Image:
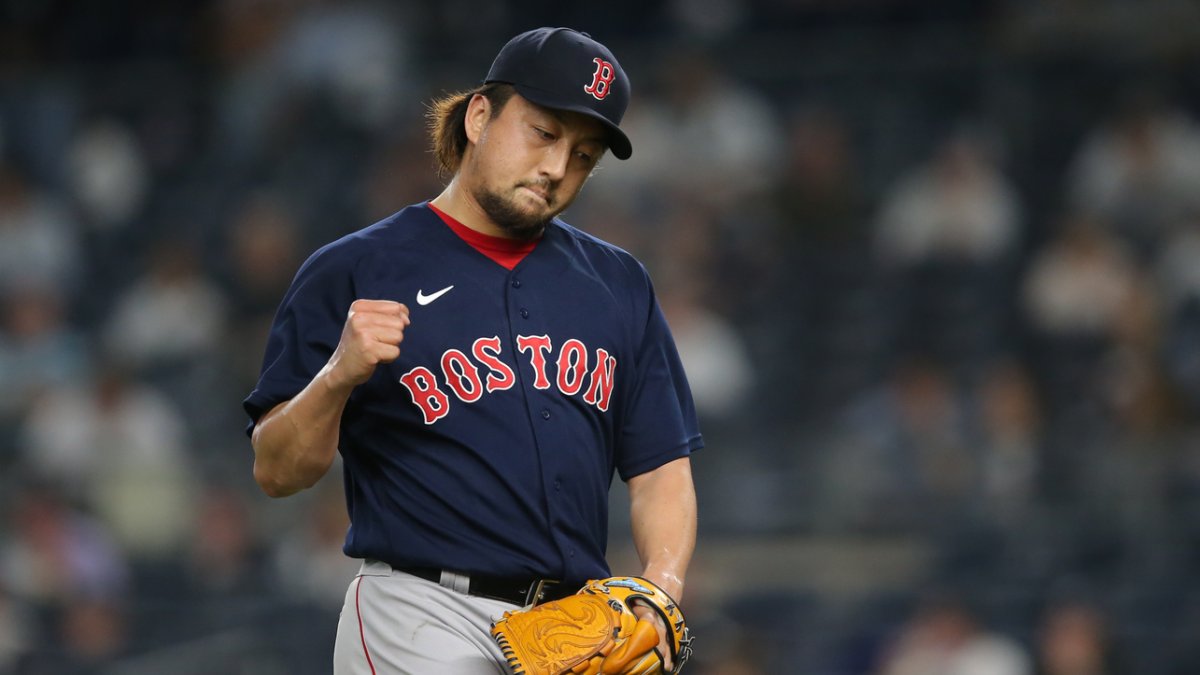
(372, 335)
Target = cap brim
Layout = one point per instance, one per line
(618, 142)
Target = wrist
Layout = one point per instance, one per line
(333, 382)
(666, 580)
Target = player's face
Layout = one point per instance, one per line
(529, 163)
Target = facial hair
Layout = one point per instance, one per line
(517, 223)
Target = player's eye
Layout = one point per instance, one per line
(543, 134)
(586, 157)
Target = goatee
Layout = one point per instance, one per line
(515, 222)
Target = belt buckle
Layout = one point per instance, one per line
(537, 592)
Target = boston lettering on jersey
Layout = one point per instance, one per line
(577, 372)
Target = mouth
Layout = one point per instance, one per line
(541, 195)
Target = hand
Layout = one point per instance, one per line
(372, 335)
(642, 612)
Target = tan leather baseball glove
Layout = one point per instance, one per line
(594, 632)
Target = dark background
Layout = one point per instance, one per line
(932, 267)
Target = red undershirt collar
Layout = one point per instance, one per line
(505, 252)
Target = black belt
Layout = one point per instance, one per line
(516, 591)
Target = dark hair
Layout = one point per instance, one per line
(447, 116)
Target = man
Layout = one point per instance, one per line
(480, 428)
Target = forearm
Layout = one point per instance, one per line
(296, 442)
(663, 513)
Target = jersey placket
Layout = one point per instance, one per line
(529, 328)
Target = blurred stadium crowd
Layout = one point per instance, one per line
(933, 268)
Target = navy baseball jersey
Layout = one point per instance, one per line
(490, 445)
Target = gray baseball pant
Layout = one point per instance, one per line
(393, 623)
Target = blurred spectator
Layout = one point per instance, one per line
(1137, 395)
(245, 35)
(39, 239)
(108, 175)
(900, 455)
(1125, 469)
(1176, 269)
(400, 175)
(700, 131)
(93, 634)
(56, 554)
(1076, 291)
(947, 234)
(263, 249)
(119, 446)
(945, 638)
(1140, 172)
(308, 555)
(1079, 282)
(957, 207)
(16, 638)
(38, 349)
(1010, 420)
(713, 352)
(1178, 276)
(1074, 640)
(818, 197)
(355, 52)
(89, 635)
(820, 288)
(687, 252)
(226, 562)
(171, 318)
(351, 55)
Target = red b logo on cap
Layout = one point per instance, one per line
(601, 79)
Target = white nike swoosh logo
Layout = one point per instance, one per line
(423, 299)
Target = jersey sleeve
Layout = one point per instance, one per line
(659, 416)
(305, 332)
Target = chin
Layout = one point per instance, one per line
(520, 216)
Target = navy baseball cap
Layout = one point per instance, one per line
(564, 69)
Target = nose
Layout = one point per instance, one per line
(554, 162)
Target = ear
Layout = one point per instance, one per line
(479, 111)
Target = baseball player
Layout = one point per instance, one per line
(484, 369)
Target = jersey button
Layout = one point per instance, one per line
(545, 414)
(557, 485)
(516, 283)
(524, 313)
